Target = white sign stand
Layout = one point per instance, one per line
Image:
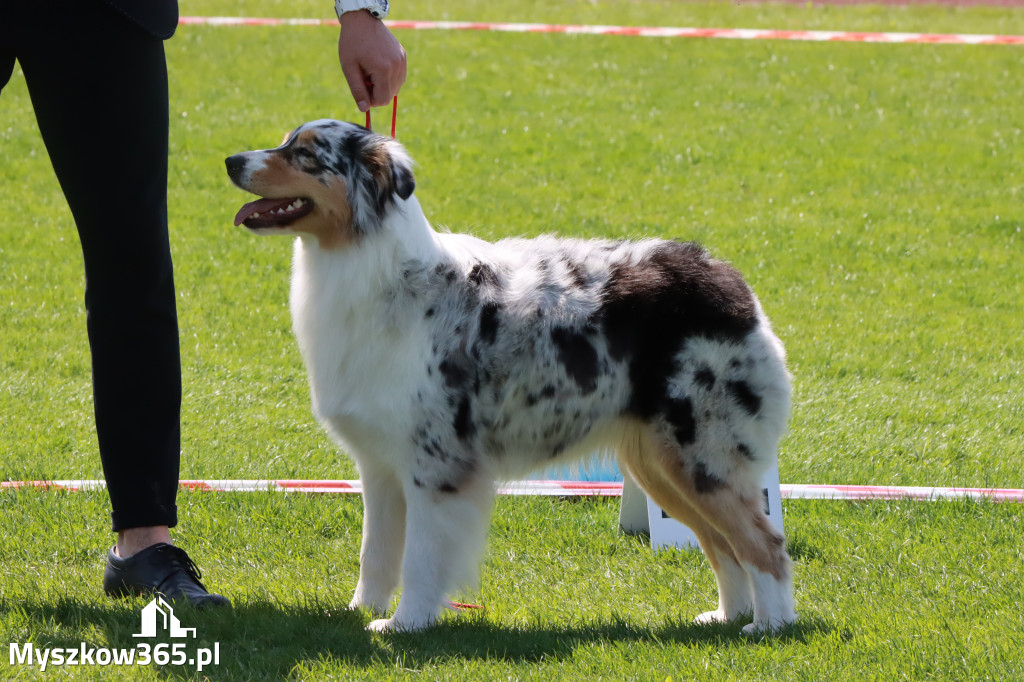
(639, 513)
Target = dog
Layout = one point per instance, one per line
(443, 363)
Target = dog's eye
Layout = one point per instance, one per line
(306, 158)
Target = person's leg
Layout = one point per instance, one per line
(6, 67)
(99, 90)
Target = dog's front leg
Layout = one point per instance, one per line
(380, 558)
(445, 532)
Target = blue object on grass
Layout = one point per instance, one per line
(595, 468)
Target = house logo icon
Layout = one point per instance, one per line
(159, 612)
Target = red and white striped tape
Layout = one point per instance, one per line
(880, 492)
(568, 489)
(643, 31)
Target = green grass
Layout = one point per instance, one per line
(872, 195)
(888, 591)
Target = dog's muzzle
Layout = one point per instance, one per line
(236, 168)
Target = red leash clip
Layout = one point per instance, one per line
(394, 117)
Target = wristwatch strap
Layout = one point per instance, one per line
(378, 8)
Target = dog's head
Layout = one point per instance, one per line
(330, 179)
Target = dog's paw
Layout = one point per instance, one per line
(712, 617)
(384, 625)
(767, 628)
(374, 609)
(381, 625)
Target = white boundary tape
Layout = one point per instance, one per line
(643, 31)
(567, 489)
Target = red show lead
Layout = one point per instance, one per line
(394, 117)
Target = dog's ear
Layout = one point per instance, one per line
(381, 176)
(402, 177)
(287, 136)
(397, 161)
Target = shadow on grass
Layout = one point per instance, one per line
(264, 640)
(259, 640)
(479, 639)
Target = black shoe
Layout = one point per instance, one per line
(161, 569)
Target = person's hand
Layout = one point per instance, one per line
(372, 59)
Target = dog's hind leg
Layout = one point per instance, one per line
(759, 549)
(735, 597)
(445, 534)
(380, 558)
(728, 519)
(735, 593)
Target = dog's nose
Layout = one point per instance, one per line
(235, 165)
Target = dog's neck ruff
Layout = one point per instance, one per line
(372, 267)
(348, 308)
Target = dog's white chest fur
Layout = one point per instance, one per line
(353, 336)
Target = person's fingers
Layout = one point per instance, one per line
(386, 78)
(380, 94)
(356, 83)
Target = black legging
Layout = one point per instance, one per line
(99, 89)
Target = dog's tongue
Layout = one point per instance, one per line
(260, 206)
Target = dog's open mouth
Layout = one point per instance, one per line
(273, 212)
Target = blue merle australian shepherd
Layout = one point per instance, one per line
(443, 363)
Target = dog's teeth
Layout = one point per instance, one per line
(255, 215)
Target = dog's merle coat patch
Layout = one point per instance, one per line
(537, 351)
(444, 363)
